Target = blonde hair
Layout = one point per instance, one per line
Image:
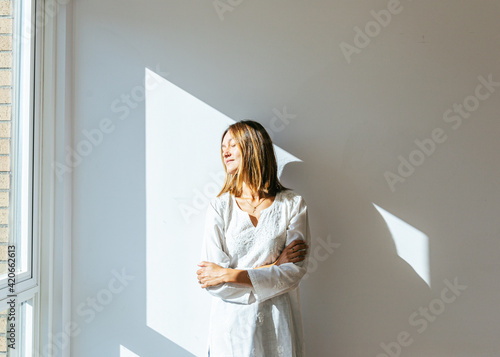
(258, 168)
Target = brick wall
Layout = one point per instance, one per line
(5, 130)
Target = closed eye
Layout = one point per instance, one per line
(232, 145)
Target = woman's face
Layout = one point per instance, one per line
(231, 154)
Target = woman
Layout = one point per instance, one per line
(254, 252)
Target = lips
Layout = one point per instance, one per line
(227, 161)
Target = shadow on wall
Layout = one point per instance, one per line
(364, 293)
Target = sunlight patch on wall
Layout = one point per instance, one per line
(124, 352)
(412, 245)
(183, 173)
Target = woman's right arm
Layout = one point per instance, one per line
(279, 279)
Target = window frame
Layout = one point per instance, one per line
(54, 198)
(22, 230)
(48, 285)
(28, 279)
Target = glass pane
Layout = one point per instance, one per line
(26, 340)
(3, 332)
(17, 341)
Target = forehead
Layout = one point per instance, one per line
(227, 137)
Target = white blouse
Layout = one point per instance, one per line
(263, 320)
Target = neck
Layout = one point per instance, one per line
(247, 192)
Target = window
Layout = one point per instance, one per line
(18, 248)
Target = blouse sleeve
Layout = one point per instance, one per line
(213, 251)
(278, 279)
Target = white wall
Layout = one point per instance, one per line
(352, 122)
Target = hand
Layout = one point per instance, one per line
(294, 252)
(210, 274)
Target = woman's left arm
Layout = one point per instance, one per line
(294, 252)
(213, 274)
